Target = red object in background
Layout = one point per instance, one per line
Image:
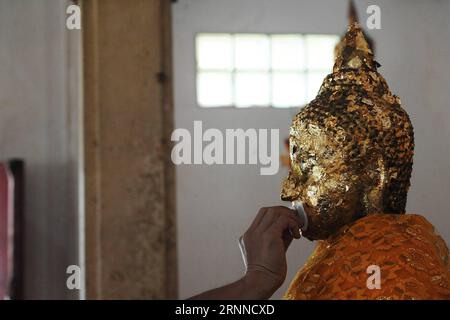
(6, 229)
(11, 229)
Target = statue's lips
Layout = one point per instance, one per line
(298, 207)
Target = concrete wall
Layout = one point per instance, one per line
(215, 204)
(39, 110)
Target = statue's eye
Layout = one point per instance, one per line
(303, 164)
(328, 153)
(294, 149)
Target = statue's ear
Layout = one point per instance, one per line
(375, 179)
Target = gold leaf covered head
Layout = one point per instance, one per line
(351, 147)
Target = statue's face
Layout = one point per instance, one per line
(322, 179)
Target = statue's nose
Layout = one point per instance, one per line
(288, 193)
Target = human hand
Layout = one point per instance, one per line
(264, 247)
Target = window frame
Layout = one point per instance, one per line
(304, 72)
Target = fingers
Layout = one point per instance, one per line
(268, 237)
(295, 230)
(269, 216)
(288, 229)
(284, 223)
(277, 222)
(290, 213)
(287, 239)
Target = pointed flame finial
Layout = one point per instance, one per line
(352, 14)
(353, 52)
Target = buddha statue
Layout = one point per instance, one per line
(351, 154)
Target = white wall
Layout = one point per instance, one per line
(215, 204)
(39, 110)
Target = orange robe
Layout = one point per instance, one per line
(413, 261)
